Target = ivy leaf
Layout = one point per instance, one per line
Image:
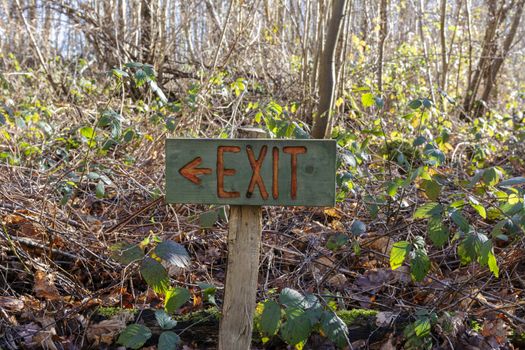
(437, 231)
(398, 253)
(134, 336)
(155, 275)
(175, 298)
(419, 265)
(168, 341)
(297, 327)
(334, 328)
(270, 317)
(428, 210)
(164, 320)
(174, 253)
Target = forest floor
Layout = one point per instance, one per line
(67, 197)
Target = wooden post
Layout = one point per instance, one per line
(240, 289)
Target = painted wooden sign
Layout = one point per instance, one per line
(251, 171)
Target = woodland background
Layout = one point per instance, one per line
(425, 248)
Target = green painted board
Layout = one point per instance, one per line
(251, 171)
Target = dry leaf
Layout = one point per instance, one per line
(495, 328)
(385, 319)
(45, 287)
(105, 331)
(332, 212)
(373, 280)
(381, 244)
(11, 304)
(389, 345)
(338, 280)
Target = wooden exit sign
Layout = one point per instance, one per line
(251, 171)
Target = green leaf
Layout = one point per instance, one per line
(297, 327)
(155, 275)
(422, 326)
(419, 265)
(398, 253)
(358, 228)
(126, 253)
(208, 219)
(140, 77)
(134, 336)
(208, 292)
(100, 190)
(291, 298)
(491, 176)
(164, 320)
(87, 132)
(460, 220)
(512, 182)
(379, 102)
(432, 189)
(475, 179)
(480, 209)
(427, 103)
(119, 73)
(367, 100)
(168, 341)
(171, 123)
(428, 210)
(334, 328)
(270, 318)
(174, 253)
(415, 104)
(437, 232)
(175, 298)
(470, 248)
(336, 241)
(493, 264)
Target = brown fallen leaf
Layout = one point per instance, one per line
(105, 331)
(389, 344)
(495, 328)
(45, 286)
(11, 304)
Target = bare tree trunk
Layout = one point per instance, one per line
(323, 120)
(497, 62)
(495, 17)
(146, 33)
(425, 49)
(442, 35)
(383, 32)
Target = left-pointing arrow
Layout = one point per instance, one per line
(190, 171)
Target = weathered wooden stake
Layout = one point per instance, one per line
(240, 289)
